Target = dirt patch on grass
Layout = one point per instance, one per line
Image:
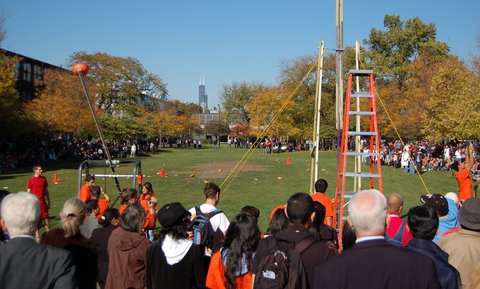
(222, 169)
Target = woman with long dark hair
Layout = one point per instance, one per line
(278, 223)
(229, 268)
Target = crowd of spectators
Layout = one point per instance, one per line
(425, 156)
(413, 157)
(439, 249)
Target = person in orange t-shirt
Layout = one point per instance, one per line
(281, 207)
(102, 203)
(147, 197)
(321, 186)
(462, 175)
(130, 196)
(241, 241)
(86, 190)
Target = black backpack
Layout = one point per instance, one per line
(203, 233)
(282, 266)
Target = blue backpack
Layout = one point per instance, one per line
(203, 233)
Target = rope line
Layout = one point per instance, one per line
(400, 138)
(250, 151)
(396, 131)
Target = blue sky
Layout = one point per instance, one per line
(220, 41)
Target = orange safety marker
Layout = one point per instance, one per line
(140, 179)
(56, 179)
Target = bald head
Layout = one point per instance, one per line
(395, 203)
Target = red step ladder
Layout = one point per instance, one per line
(342, 195)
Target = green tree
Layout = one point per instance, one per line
(120, 81)
(235, 98)
(185, 108)
(391, 51)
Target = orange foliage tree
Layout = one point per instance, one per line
(61, 106)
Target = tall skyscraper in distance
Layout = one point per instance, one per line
(202, 97)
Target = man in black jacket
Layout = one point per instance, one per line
(423, 224)
(372, 262)
(23, 262)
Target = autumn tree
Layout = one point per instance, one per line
(120, 81)
(61, 106)
(291, 75)
(217, 128)
(13, 117)
(453, 110)
(241, 131)
(235, 98)
(402, 57)
(266, 113)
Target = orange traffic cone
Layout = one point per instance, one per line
(162, 172)
(288, 161)
(140, 179)
(56, 179)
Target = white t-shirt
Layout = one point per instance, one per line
(217, 221)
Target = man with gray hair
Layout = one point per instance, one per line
(23, 262)
(372, 262)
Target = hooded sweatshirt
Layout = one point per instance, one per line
(175, 263)
(449, 222)
(127, 252)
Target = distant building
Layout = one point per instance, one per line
(206, 117)
(29, 73)
(202, 97)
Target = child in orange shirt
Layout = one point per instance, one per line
(102, 203)
(147, 197)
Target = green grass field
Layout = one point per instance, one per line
(265, 182)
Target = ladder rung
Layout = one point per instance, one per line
(360, 112)
(361, 133)
(361, 94)
(362, 175)
(348, 195)
(365, 72)
(362, 154)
